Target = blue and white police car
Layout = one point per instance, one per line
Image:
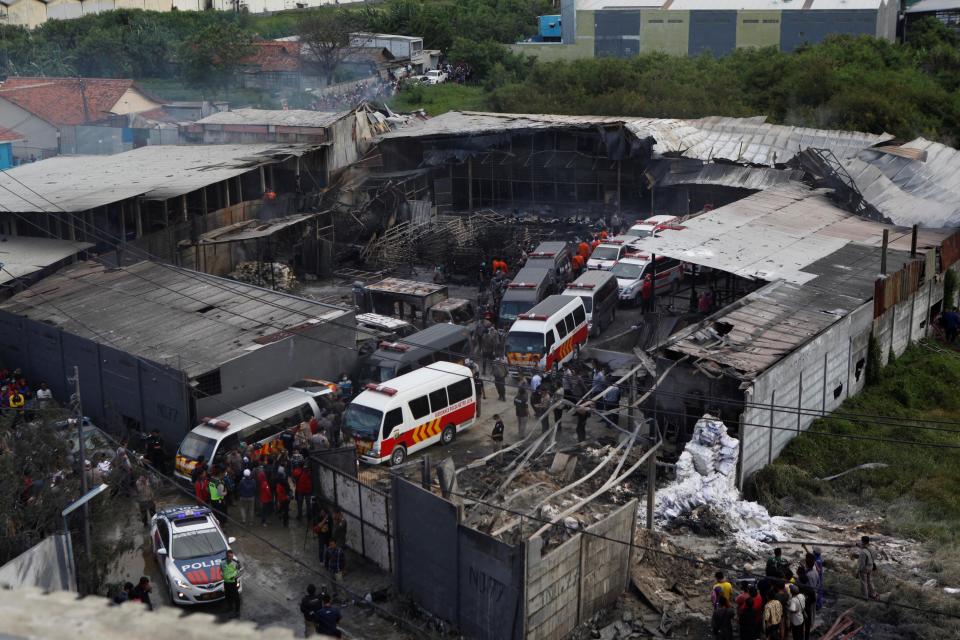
(189, 546)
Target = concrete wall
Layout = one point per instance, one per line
(425, 534)
(887, 19)
(243, 379)
(132, 101)
(823, 373)
(40, 137)
(586, 573)
(455, 572)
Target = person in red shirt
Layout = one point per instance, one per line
(201, 488)
(314, 425)
(304, 484)
(646, 293)
(281, 492)
(603, 234)
(266, 498)
(583, 250)
(594, 244)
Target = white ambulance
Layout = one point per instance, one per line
(548, 335)
(650, 226)
(408, 413)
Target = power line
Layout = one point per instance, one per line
(197, 275)
(687, 558)
(886, 420)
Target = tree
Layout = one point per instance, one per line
(325, 37)
(210, 57)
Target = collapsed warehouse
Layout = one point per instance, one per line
(536, 177)
(804, 235)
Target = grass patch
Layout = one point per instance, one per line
(174, 89)
(440, 98)
(918, 490)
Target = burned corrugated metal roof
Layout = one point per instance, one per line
(775, 234)
(275, 117)
(760, 329)
(165, 314)
(747, 140)
(22, 255)
(728, 175)
(251, 229)
(742, 140)
(154, 172)
(468, 123)
(922, 187)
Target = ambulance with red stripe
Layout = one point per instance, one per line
(548, 335)
(393, 419)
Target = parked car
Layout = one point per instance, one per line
(435, 76)
(189, 546)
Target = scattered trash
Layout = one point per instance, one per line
(272, 275)
(951, 590)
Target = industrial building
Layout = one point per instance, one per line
(789, 221)
(626, 28)
(159, 347)
(153, 198)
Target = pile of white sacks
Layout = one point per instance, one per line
(707, 476)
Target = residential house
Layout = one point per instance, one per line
(7, 138)
(70, 115)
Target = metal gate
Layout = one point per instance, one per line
(367, 511)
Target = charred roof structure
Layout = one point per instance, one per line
(805, 231)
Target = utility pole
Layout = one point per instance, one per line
(76, 407)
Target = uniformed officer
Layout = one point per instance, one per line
(231, 583)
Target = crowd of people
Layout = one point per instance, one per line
(348, 96)
(782, 605)
(17, 393)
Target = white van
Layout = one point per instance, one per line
(598, 290)
(607, 254)
(411, 412)
(258, 424)
(650, 226)
(548, 335)
(630, 273)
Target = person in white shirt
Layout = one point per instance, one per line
(796, 611)
(535, 381)
(44, 395)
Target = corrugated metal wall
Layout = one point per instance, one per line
(616, 34)
(713, 32)
(113, 384)
(809, 27)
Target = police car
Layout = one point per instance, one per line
(189, 546)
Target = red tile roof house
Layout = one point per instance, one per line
(41, 109)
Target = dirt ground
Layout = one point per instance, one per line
(273, 583)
